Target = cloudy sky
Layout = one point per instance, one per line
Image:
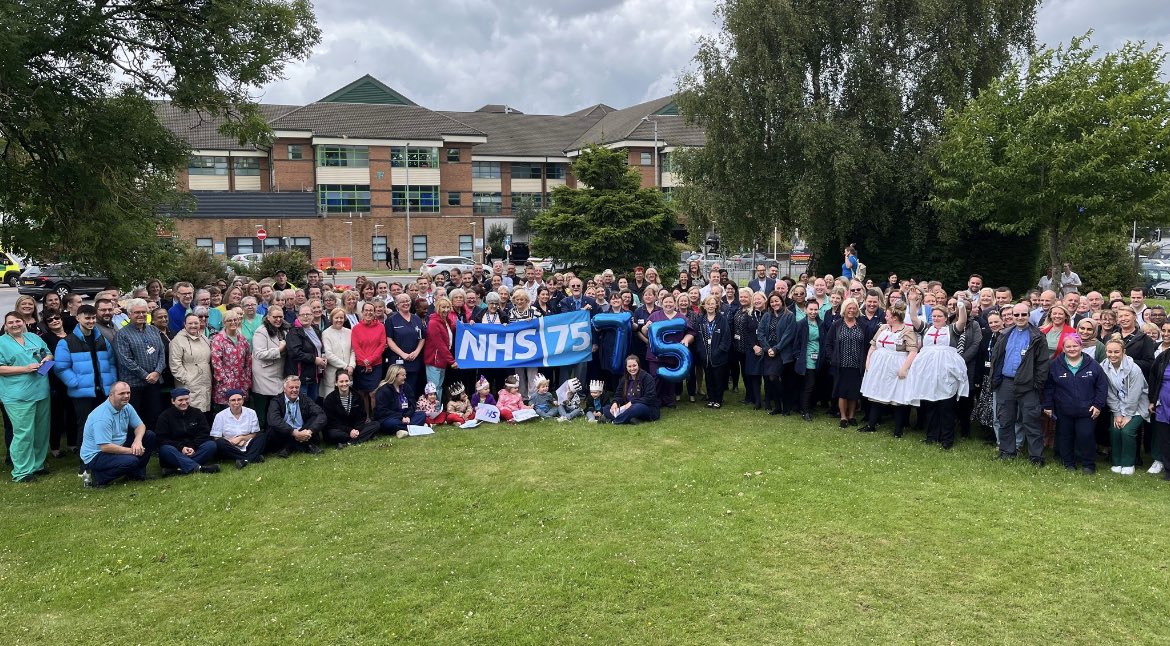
(556, 57)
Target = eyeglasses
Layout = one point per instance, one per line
(202, 316)
(53, 318)
(1020, 316)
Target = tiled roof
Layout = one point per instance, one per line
(372, 121)
(600, 109)
(525, 135)
(201, 131)
(499, 108)
(627, 123)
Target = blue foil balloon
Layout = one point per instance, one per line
(663, 348)
(615, 344)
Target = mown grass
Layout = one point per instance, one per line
(727, 527)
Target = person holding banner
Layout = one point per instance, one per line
(523, 310)
(576, 301)
(440, 343)
(635, 400)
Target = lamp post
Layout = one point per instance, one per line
(472, 241)
(655, 122)
(409, 238)
(385, 250)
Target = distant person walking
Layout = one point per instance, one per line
(397, 265)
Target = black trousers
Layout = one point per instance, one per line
(963, 408)
(751, 387)
(734, 364)
(790, 388)
(716, 378)
(341, 435)
(806, 391)
(62, 421)
(278, 441)
(147, 401)
(772, 393)
(940, 421)
(229, 451)
(901, 416)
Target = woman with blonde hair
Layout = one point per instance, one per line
(338, 348)
(1131, 402)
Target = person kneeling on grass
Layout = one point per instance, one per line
(394, 404)
(543, 401)
(184, 438)
(108, 449)
(636, 399)
(345, 416)
(237, 434)
(295, 422)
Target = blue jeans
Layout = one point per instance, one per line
(640, 412)
(107, 467)
(171, 458)
(393, 424)
(435, 376)
(310, 390)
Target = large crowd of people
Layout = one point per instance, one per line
(234, 372)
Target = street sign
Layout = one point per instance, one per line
(261, 234)
(508, 243)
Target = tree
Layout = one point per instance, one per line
(495, 239)
(195, 266)
(1067, 145)
(818, 113)
(524, 210)
(611, 222)
(85, 165)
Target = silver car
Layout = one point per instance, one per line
(442, 266)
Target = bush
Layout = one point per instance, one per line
(293, 263)
(197, 267)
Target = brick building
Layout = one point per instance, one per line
(366, 170)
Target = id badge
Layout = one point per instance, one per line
(400, 361)
(986, 364)
(814, 355)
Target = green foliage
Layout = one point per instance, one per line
(1070, 145)
(524, 211)
(818, 114)
(708, 527)
(195, 266)
(610, 223)
(85, 165)
(1103, 262)
(495, 239)
(293, 263)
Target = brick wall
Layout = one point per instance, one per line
(293, 174)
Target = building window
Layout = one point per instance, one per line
(526, 171)
(206, 244)
(420, 247)
(465, 246)
(665, 163)
(647, 159)
(454, 198)
(343, 198)
(378, 248)
(414, 157)
(206, 165)
(237, 246)
(422, 199)
(296, 151)
(668, 193)
(453, 154)
(486, 202)
(555, 171)
(343, 156)
(247, 166)
(485, 170)
(535, 200)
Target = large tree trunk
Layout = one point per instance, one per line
(1055, 245)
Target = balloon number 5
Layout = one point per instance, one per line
(662, 348)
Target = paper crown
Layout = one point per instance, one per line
(512, 382)
(482, 383)
(456, 389)
(596, 386)
(574, 384)
(537, 381)
(430, 389)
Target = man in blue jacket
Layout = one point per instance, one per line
(85, 364)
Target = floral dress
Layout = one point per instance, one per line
(231, 365)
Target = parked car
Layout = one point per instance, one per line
(12, 268)
(706, 260)
(248, 259)
(1160, 290)
(1154, 272)
(442, 266)
(38, 280)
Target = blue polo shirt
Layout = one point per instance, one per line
(1017, 345)
(105, 425)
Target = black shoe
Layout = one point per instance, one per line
(1166, 474)
(283, 453)
(209, 468)
(1039, 462)
(1070, 467)
(844, 423)
(897, 433)
(240, 464)
(757, 407)
(259, 459)
(806, 417)
(168, 472)
(1088, 471)
(868, 428)
(776, 411)
(946, 447)
(43, 471)
(710, 404)
(342, 445)
(929, 441)
(314, 449)
(1006, 456)
(853, 421)
(28, 479)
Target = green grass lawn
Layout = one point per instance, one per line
(708, 527)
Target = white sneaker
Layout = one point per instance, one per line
(401, 434)
(1127, 471)
(1156, 467)
(1116, 469)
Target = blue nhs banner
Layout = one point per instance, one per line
(557, 340)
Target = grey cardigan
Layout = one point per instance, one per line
(1128, 392)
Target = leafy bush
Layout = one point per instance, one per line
(293, 263)
(196, 266)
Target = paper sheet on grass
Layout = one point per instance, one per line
(414, 431)
(523, 415)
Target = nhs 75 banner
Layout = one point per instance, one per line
(558, 340)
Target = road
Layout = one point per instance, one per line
(7, 299)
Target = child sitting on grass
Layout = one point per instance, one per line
(429, 403)
(543, 401)
(459, 408)
(510, 399)
(596, 402)
(483, 394)
(570, 407)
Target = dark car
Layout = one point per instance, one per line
(38, 280)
